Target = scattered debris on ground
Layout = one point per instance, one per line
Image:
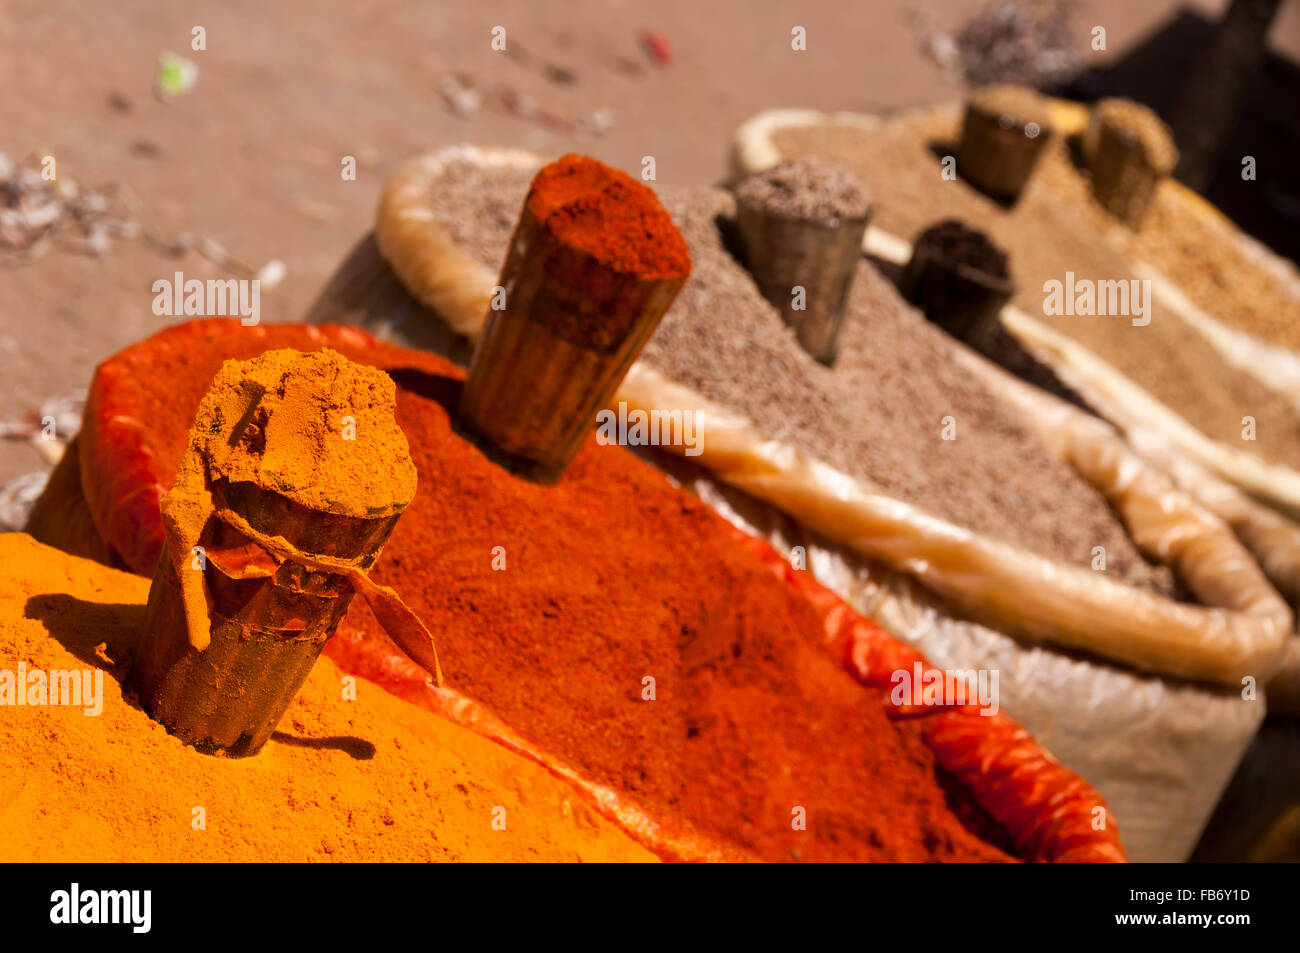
(464, 97)
(174, 77)
(41, 207)
(18, 497)
(656, 47)
(1012, 41)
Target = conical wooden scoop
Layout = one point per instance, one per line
(594, 263)
(294, 477)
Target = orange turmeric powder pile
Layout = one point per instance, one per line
(369, 778)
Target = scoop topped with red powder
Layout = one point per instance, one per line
(610, 216)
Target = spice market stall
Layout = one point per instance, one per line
(444, 223)
(534, 665)
(1202, 384)
(737, 705)
(1217, 307)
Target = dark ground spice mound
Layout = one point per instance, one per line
(972, 247)
(876, 414)
(611, 576)
(1004, 349)
(967, 246)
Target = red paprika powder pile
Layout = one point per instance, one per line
(612, 619)
(613, 577)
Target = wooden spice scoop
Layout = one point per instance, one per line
(593, 264)
(1128, 151)
(294, 476)
(959, 280)
(1003, 134)
(816, 256)
(801, 224)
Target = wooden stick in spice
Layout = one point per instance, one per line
(594, 263)
(1002, 136)
(294, 476)
(801, 224)
(959, 280)
(1128, 151)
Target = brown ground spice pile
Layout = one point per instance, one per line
(1198, 249)
(968, 246)
(1057, 227)
(723, 338)
(491, 199)
(374, 779)
(878, 413)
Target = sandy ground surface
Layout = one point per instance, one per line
(252, 156)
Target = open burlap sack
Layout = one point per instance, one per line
(1223, 479)
(1161, 746)
(1131, 406)
(1238, 633)
(754, 149)
(1271, 537)
(1152, 485)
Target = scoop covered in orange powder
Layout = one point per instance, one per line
(316, 429)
